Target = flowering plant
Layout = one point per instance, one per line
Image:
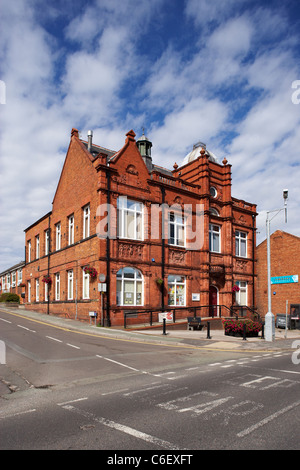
(237, 326)
(159, 281)
(47, 279)
(91, 271)
(235, 288)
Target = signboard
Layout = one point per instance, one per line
(168, 316)
(284, 279)
(101, 287)
(195, 297)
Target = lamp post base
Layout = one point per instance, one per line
(269, 327)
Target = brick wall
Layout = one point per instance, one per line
(285, 260)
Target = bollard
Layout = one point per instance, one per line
(164, 326)
(244, 332)
(208, 330)
(263, 331)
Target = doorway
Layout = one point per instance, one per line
(213, 301)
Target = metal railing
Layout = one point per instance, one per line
(151, 316)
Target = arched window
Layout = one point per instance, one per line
(129, 286)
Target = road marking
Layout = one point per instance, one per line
(119, 363)
(267, 420)
(25, 328)
(54, 339)
(17, 414)
(204, 407)
(73, 346)
(72, 401)
(5, 320)
(125, 429)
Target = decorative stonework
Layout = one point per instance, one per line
(176, 256)
(128, 250)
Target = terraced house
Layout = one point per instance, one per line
(126, 235)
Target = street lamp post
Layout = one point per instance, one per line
(269, 318)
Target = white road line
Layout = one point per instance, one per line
(267, 420)
(215, 364)
(5, 320)
(126, 429)
(73, 346)
(116, 362)
(54, 339)
(17, 414)
(72, 401)
(24, 328)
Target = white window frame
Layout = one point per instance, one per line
(242, 293)
(85, 285)
(29, 290)
(57, 286)
(130, 219)
(130, 287)
(8, 278)
(47, 241)
(37, 290)
(214, 236)
(29, 251)
(176, 224)
(46, 291)
(37, 247)
(70, 284)
(20, 275)
(86, 221)
(177, 288)
(71, 229)
(58, 236)
(13, 279)
(240, 243)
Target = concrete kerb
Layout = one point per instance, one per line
(186, 338)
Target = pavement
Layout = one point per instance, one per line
(174, 336)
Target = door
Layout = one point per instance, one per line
(213, 301)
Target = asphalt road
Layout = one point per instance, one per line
(83, 391)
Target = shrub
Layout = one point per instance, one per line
(7, 297)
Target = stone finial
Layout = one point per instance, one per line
(175, 166)
(224, 161)
(202, 152)
(130, 136)
(74, 132)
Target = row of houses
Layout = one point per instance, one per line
(125, 236)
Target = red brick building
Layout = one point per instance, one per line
(285, 266)
(204, 247)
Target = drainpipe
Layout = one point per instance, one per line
(253, 261)
(49, 247)
(163, 248)
(107, 320)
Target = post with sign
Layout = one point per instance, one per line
(102, 290)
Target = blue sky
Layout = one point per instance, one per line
(186, 70)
